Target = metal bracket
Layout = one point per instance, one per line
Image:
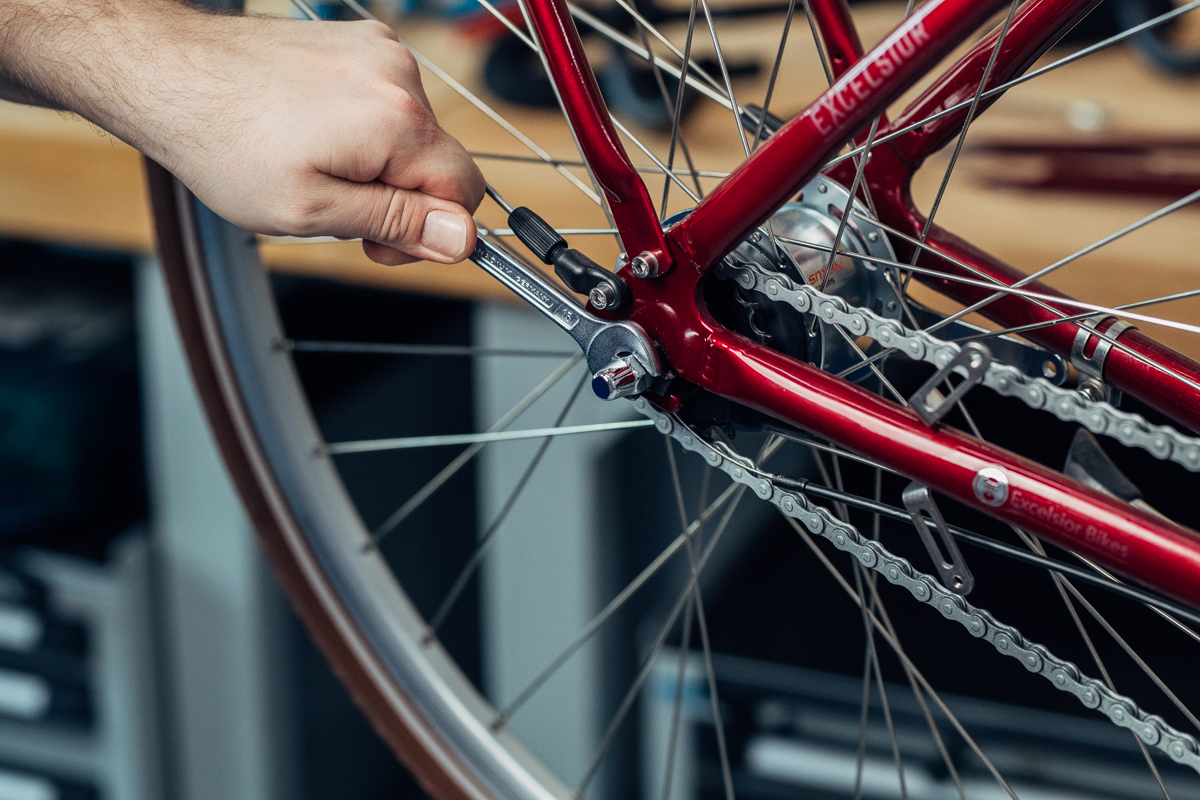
(1030, 359)
(601, 340)
(923, 510)
(971, 363)
(1091, 368)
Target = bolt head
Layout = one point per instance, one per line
(621, 378)
(991, 486)
(602, 296)
(644, 265)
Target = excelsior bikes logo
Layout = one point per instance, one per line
(833, 110)
(1060, 518)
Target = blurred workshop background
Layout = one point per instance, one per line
(146, 651)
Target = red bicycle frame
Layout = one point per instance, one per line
(1137, 544)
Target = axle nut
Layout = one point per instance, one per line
(621, 378)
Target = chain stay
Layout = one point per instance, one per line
(1132, 430)
(1065, 676)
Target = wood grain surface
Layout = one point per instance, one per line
(62, 180)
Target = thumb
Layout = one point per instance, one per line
(411, 222)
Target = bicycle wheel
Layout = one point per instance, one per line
(334, 564)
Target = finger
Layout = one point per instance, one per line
(440, 166)
(388, 256)
(412, 222)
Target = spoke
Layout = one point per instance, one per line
(681, 670)
(666, 97)
(732, 492)
(864, 361)
(451, 469)
(1103, 580)
(962, 137)
(871, 656)
(701, 618)
(992, 284)
(306, 9)
(1168, 298)
(737, 116)
(377, 348)
(841, 231)
(1114, 580)
(1112, 237)
(878, 606)
(631, 695)
(485, 541)
(678, 113)
(677, 705)
(873, 660)
(1087, 639)
(1001, 289)
(899, 651)
(812, 26)
(495, 116)
(714, 698)
(1133, 654)
(1064, 585)
(415, 442)
(650, 154)
(474, 100)
(1000, 89)
(863, 719)
(766, 106)
(714, 93)
(703, 173)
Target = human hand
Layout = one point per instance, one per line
(281, 126)
(333, 134)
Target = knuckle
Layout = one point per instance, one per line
(402, 221)
(378, 30)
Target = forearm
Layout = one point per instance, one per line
(278, 125)
(14, 92)
(127, 65)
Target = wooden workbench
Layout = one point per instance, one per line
(62, 180)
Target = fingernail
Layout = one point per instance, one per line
(445, 233)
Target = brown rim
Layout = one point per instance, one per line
(385, 704)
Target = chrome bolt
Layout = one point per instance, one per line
(822, 188)
(873, 236)
(621, 378)
(991, 486)
(645, 265)
(602, 296)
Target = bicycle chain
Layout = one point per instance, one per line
(1064, 675)
(1132, 430)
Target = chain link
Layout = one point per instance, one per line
(1132, 430)
(1065, 676)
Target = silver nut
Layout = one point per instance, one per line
(602, 296)
(621, 378)
(644, 265)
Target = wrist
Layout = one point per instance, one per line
(130, 66)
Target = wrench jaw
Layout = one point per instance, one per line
(619, 354)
